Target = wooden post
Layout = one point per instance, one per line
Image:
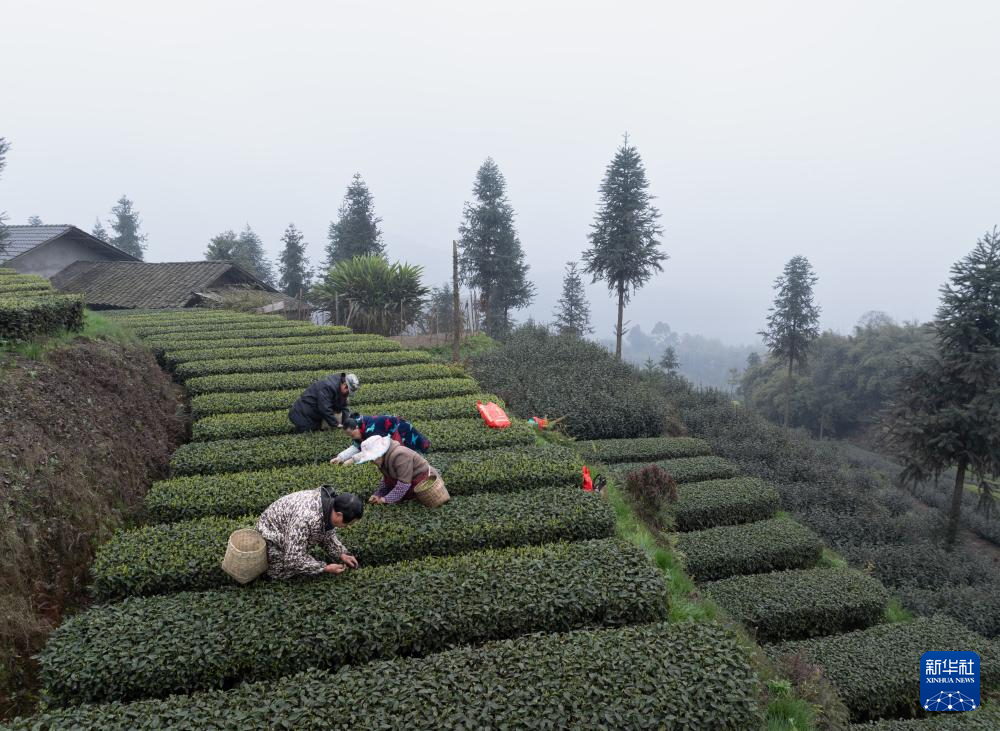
(456, 305)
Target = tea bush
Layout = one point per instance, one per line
(182, 556)
(600, 397)
(984, 718)
(155, 646)
(877, 670)
(330, 362)
(173, 358)
(235, 455)
(856, 509)
(241, 382)
(264, 423)
(712, 503)
(649, 449)
(237, 330)
(465, 473)
(16, 289)
(207, 329)
(22, 318)
(247, 347)
(697, 675)
(801, 604)
(683, 469)
(751, 548)
(243, 402)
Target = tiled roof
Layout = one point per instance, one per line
(21, 239)
(24, 238)
(148, 284)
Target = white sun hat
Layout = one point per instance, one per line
(371, 448)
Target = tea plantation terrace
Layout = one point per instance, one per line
(509, 599)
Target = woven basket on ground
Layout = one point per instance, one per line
(246, 555)
(431, 492)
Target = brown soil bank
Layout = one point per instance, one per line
(82, 435)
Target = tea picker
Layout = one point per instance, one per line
(406, 475)
(324, 402)
(360, 427)
(286, 532)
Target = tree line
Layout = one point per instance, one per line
(931, 392)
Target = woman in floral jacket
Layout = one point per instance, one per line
(297, 522)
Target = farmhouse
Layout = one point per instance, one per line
(47, 250)
(108, 285)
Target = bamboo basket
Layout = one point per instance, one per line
(432, 494)
(246, 555)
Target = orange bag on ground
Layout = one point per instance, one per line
(493, 415)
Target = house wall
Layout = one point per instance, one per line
(54, 256)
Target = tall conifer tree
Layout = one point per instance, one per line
(624, 239)
(99, 232)
(293, 264)
(492, 258)
(794, 320)
(356, 231)
(125, 223)
(573, 311)
(945, 414)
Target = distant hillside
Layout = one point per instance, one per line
(703, 361)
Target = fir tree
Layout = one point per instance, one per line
(34, 220)
(356, 231)
(246, 250)
(125, 224)
(945, 414)
(293, 264)
(669, 361)
(492, 259)
(99, 232)
(4, 148)
(794, 320)
(624, 240)
(573, 313)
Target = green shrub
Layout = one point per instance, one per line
(801, 604)
(241, 331)
(877, 670)
(712, 503)
(185, 318)
(330, 362)
(985, 718)
(649, 449)
(697, 675)
(179, 556)
(751, 548)
(205, 349)
(651, 491)
(465, 473)
(541, 374)
(154, 646)
(683, 469)
(234, 455)
(22, 318)
(20, 288)
(371, 393)
(263, 423)
(356, 344)
(211, 327)
(237, 383)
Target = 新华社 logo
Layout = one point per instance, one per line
(949, 681)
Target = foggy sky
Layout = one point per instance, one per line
(863, 135)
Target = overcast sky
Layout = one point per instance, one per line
(863, 135)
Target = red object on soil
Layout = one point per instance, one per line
(493, 415)
(588, 484)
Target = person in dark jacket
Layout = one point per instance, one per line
(324, 401)
(360, 427)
